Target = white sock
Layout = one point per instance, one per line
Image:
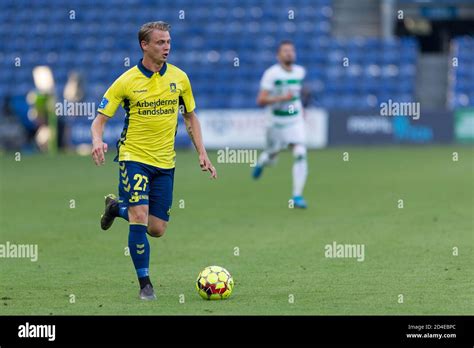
(263, 159)
(266, 159)
(300, 170)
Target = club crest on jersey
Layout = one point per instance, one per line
(172, 87)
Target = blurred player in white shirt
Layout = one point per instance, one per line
(280, 92)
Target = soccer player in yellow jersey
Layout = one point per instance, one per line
(151, 93)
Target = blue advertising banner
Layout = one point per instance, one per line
(370, 127)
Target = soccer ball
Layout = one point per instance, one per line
(214, 283)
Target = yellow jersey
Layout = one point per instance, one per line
(151, 102)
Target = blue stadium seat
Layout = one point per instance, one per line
(462, 75)
(205, 45)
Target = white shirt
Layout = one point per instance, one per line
(278, 82)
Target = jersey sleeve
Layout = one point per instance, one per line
(113, 97)
(186, 98)
(267, 81)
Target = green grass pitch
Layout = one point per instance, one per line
(281, 257)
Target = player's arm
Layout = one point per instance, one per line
(193, 127)
(266, 85)
(99, 148)
(264, 98)
(306, 95)
(106, 110)
(305, 99)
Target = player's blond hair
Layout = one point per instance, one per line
(147, 28)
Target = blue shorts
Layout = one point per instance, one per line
(141, 183)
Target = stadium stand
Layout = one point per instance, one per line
(461, 77)
(239, 43)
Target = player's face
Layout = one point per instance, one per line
(158, 47)
(287, 54)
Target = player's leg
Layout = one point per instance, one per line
(300, 173)
(139, 248)
(268, 156)
(295, 136)
(161, 199)
(156, 226)
(116, 207)
(110, 212)
(134, 189)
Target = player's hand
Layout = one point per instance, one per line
(99, 149)
(206, 166)
(287, 97)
